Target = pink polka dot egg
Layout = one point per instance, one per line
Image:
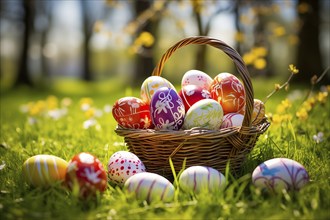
(122, 165)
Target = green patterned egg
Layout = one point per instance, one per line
(43, 170)
(206, 113)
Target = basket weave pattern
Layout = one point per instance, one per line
(213, 148)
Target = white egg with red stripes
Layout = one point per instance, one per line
(150, 187)
(197, 179)
(44, 170)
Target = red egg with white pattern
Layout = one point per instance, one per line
(132, 112)
(86, 173)
(122, 165)
(232, 120)
(190, 94)
(229, 91)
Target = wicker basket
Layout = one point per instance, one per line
(213, 148)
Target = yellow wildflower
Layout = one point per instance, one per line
(145, 39)
(293, 69)
(259, 51)
(279, 31)
(302, 114)
(90, 113)
(308, 106)
(86, 100)
(285, 104)
(311, 101)
(260, 63)
(52, 102)
(248, 58)
(37, 108)
(322, 97)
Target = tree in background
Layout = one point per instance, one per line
(309, 59)
(23, 74)
(204, 22)
(87, 31)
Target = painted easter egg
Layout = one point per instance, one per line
(122, 165)
(280, 173)
(232, 120)
(151, 85)
(228, 90)
(86, 172)
(167, 109)
(44, 170)
(190, 94)
(206, 113)
(197, 179)
(132, 112)
(197, 78)
(150, 187)
(258, 113)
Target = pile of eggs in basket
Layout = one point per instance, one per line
(201, 102)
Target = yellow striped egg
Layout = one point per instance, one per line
(151, 85)
(43, 170)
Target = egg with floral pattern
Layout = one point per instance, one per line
(280, 173)
(132, 112)
(151, 85)
(232, 120)
(122, 165)
(228, 90)
(258, 113)
(86, 172)
(190, 94)
(197, 78)
(206, 113)
(167, 109)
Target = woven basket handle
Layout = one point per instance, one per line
(233, 54)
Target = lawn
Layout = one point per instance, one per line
(25, 133)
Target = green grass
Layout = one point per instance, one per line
(66, 137)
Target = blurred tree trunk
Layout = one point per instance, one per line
(237, 25)
(87, 30)
(44, 37)
(204, 29)
(309, 60)
(200, 60)
(23, 74)
(144, 61)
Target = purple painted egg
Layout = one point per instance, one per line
(280, 173)
(167, 109)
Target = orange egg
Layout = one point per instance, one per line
(228, 90)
